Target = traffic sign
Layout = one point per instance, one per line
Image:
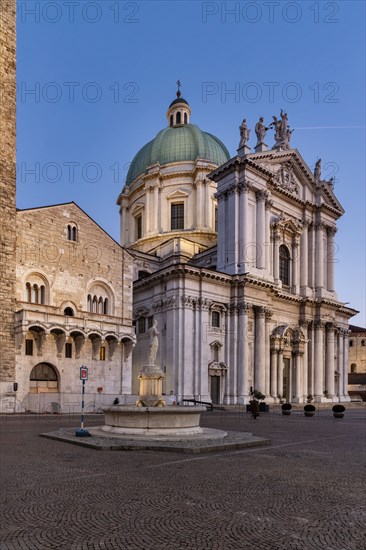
(83, 373)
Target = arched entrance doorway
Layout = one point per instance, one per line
(44, 379)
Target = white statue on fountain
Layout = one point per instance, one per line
(154, 343)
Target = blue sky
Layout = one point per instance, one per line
(95, 80)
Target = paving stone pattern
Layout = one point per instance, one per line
(305, 491)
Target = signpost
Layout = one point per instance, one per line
(81, 432)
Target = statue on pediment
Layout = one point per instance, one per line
(244, 133)
(317, 170)
(260, 130)
(282, 131)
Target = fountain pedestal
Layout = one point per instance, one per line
(151, 387)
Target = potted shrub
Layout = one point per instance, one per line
(286, 408)
(309, 410)
(338, 411)
(309, 398)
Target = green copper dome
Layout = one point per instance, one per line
(176, 144)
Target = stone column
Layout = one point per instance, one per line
(274, 360)
(276, 257)
(331, 231)
(340, 359)
(311, 256)
(345, 365)
(280, 372)
(155, 224)
(123, 214)
(305, 365)
(242, 357)
(329, 360)
(260, 228)
(319, 256)
(269, 313)
(268, 245)
(295, 266)
(260, 333)
(304, 257)
(318, 360)
(147, 209)
(233, 347)
(297, 370)
(199, 203)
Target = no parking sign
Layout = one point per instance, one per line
(83, 373)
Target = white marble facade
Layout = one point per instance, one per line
(258, 308)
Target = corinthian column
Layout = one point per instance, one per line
(345, 365)
(319, 256)
(295, 266)
(280, 372)
(243, 226)
(331, 231)
(276, 256)
(340, 357)
(304, 256)
(261, 217)
(147, 209)
(297, 377)
(318, 360)
(260, 333)
(274, 392)
(242, 357)
(329, 360)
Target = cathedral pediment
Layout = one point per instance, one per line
(288, 173)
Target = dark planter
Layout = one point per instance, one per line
(338, 411)
(286, 408)
(309, 410)
(263, 408)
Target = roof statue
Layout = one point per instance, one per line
(244, 133)
(282, 131)
(317, 170)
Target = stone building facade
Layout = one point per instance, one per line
(357, 349)
(7, 196)
(256, 309)
(73, 308)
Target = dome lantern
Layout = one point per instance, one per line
(179, 111)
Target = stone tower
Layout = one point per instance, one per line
(7, 199)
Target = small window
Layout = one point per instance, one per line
(363, 343)
(29, 347)
(69, 311)
(177, 216)
(353, 367)
(102, 353)
(139, 227)
(42, 295)
(215, 353)
(284, 265)
(351, 343)
(68, 350)
(185, 118)
(150, 321)
(141, 325)
(28, 292)
(72, 233)
(216, 319)
(171, 120)
(179, 118)
(105, 308)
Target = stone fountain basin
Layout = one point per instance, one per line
(170, 420)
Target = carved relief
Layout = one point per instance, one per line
(285, 178)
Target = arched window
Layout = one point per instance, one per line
(171, 120)
(178, 119)
(74, 234)
(353, 367)
(185, 118)
(69, 311)
(69, 232)
(100, 305)
(95, 304)
(105, 306)
(362, 343)
(28, 289)
(35, 294)
(284, 265)
(350, 343)
(90, 303)
(42, 295)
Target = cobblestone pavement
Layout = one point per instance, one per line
(306, 491)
